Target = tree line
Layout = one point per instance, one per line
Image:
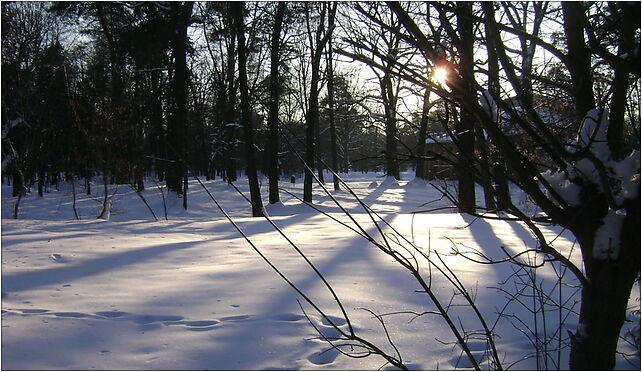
(125, 91)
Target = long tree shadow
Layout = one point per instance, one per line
(339, 266)
(67, 272)
(487, 239)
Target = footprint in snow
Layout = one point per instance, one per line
(336, 320)
(147, 319)
(58, 258)
(149, 327)
(235, 318)
(72, 314)
(32, 311)
(196, 325)
(199, 325)
(288, 317)
(146, 322)
(111, 314)
(323, 357)
(329, 333)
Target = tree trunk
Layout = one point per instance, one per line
(606, 294)
(485, 169)
(156, 107)
(465, 126)
(73, 194)
(255, 192)
(317, 148)
(104, 208)
(312, 119)
(420, 168)
(629, 14)
(497, 166)
(41, 182)
(602, 315)
(309, 138)
(176, 129)
(229, 129)
(333, 129)
(273, 113)
(88, 184)
(465, 179)
(390, 113)
(580, 64)
(18, 187)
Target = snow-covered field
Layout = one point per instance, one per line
(189, 293)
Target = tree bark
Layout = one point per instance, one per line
(246, 114)
(465, 125)
(605, 296)
(228, 130)
(181, 13)
(579, 64)
(312, 117)
(41, 182)
(629, 13)
(18, 186)
(485, 174)
(420, 168)
(390, 114)
(273, 113)
(333, 129)
(497, 163)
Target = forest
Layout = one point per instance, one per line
(304, 126)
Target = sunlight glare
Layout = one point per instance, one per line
(440, 76)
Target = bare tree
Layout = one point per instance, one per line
(317, 40)
(273, 114)
(587, 189)
(246, 113)
(181, 13)
(333, 129)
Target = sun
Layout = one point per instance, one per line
(440, 76)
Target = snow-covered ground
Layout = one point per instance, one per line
(189, 293)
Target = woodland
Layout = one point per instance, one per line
(367, 114)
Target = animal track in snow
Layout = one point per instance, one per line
(146, 322)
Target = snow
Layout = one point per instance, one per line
(568, 190)
(607, 236)
(188, 293)
(439, 138)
